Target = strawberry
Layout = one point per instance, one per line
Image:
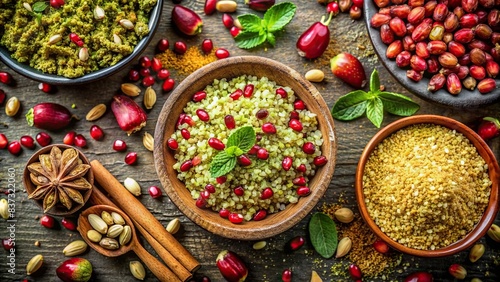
(489, 128)
(349, 69)
(75, 270)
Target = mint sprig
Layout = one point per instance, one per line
(238, 143)
(256, 31)
(374, 102)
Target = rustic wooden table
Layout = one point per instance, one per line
(266, 264)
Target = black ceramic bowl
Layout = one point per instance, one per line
(466, 98)
(26, 70)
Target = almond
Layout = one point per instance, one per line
(149, 98)
(130, 89)
(96, 112)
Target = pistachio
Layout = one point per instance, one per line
(12, 106)
(34, 264)
(343, 247)
(126, 24)
(494, 233)
(149, 98)
(137, 269)
(99, 13)
(125, 236)
(54, 39)
(173, 226)
(117, 39)
(94, 236)
(27, 6)
(132, 186)
(75, 248)
(315, 277)
(106, 216)
(476, 252)
(259, 245)
(4, 209)
(117, 218)
(96, 112)
(97, 223)
(148, 141)
(109, 243)
(83, 54)
(315, 75)
(226, 6)
(130, 89)
(344, 215)
(115, 231)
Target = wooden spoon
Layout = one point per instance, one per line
(158, 269)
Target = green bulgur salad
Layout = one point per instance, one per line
(265, 182)
(38, 34)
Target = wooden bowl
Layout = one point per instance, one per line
(484, 150)
(228, 68)
(57, 210)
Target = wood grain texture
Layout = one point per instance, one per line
(266, 264)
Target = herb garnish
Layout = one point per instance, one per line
(238, 143)
(38, 8)
(323, 234)
(356, 103)
(256, 31)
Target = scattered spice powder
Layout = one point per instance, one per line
(187, 63)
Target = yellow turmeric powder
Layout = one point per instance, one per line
(187, 63)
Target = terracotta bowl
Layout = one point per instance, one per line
(57, 210)
(228, 68)
(489, 214)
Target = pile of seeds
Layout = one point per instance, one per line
(112, 226)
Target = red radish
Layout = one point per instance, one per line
(14, 148)
(49, 116)
(119, 145)
(43, 138)
(313, 42)
(489, 128)
(129, 115)
(96, 132)
(3, 141)
(349, 69)
(75, 269)
(209, 7)
(47, 221)
(131, 158)
(80, 141)
(28, 142)
(260, 5)
(186, 20)
(69, 138)
(207, 45)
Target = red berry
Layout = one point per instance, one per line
(287, 163)
(294, 115)
(47, 221)
(419, 276)
(295, 124)
(156, 64)
(199, 96)
(221, 179)
(381, 247)
(224, 213)
(262, 114)
(14, 148)
(155, 192)
(320, 160)
(76, 39)
(3, 141)
(227, 20)
(262, 154)
(282, 92)
(309, 148)
(133, 75)
(186, 165)
(68, 224)
(301, 168)
(162, 45)
(45, 87)
(148, 81)
(268, 128)
(303, 191)
(185, 133)
(55, 4)
(239, 191)
(355, 272)
(96, 132)
(201, 203)
(299, 104)
(244, 160)
(349, 69)
(489, 128)
(131, 158)
(144, 72)
(294, 244)
(168, 84)
(210, 188)
(172, 144)
(235, 218)
(43, 138)
(234, 31)
(248, 90)
(202, 115)
(188, 120)
(260, 215)
(145, 62)
(69, 138)
(236, 94)
(205, 194)
(286, 276)
(299, 181)
(80, 141)
(207, 46)
(180, 47)
(266, 193)
(163, 74)
(119, 145)
(5, 78)
(254, 150)
(221, 53)
(28, 142)
(229, 121)
(333, 7)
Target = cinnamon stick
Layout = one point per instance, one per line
(140, 214)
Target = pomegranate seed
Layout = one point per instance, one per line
(358, 3)
(286, 276)
(261, 114)
(168, 84)
(145, 61)
(172, 144)
(221, 179)
(303, 191)
(80, 141)
(186, 165)
(294, 244)
(221, 53)
(299, 181)
(239, 191)
(216, 144)
(203, 115)
(309, 148)
(196, 160)
(185, 133)
(68, 224)
(236, 94)
(43, 138)
(3, 141)
(14, 148)
(45, 87)
(188, 120)
(287, 163)
(299, 105)
(268, 128)
(5, 78)
(227, 20)
(55, 4)
(333, 7)
(201, 203)
(248, 90)
(244, 160)
(294, 115)
(229, 121)
(28, 142)
(163, 74)
(266, 193)
(96, 132)
(320, 160)
(381, 246)
(148, 81)
(119, 145)
(180, 47)
(199, 96)
(280, 91)
(235, 218)
(301, 168)
(254, 150)
(76, 39)
(234, 31)
(2, 96)
(47, 221)
(355, 272)
(205, 194)
(8, 244)
(144, 72)
(262, 154)
(295, 124)
(162, 45)
(69, 138)
(207, 46)
(156, 64)
(260, 215)
(210, 188)
(224, 213)
(155, 192)
(133, 75)
(131, 158)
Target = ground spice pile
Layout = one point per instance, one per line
(187, 63)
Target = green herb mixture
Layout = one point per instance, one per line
(27, 33)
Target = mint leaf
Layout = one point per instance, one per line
(250, 22)
(375, 111)
(234, 151)
(271, 39)
(39, 7)
(279, 15)
(221, 164)
(248, 40)
(374, 82)
(398, 104)
(243, 138)
(323, 234)
(351, 105)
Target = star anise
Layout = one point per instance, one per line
(59, 177)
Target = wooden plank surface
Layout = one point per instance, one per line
(266, 264)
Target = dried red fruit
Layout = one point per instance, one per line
(437, 82)
(486, 85)
(453, 84)
(394, 49)
(294, 244)
(457, 271)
